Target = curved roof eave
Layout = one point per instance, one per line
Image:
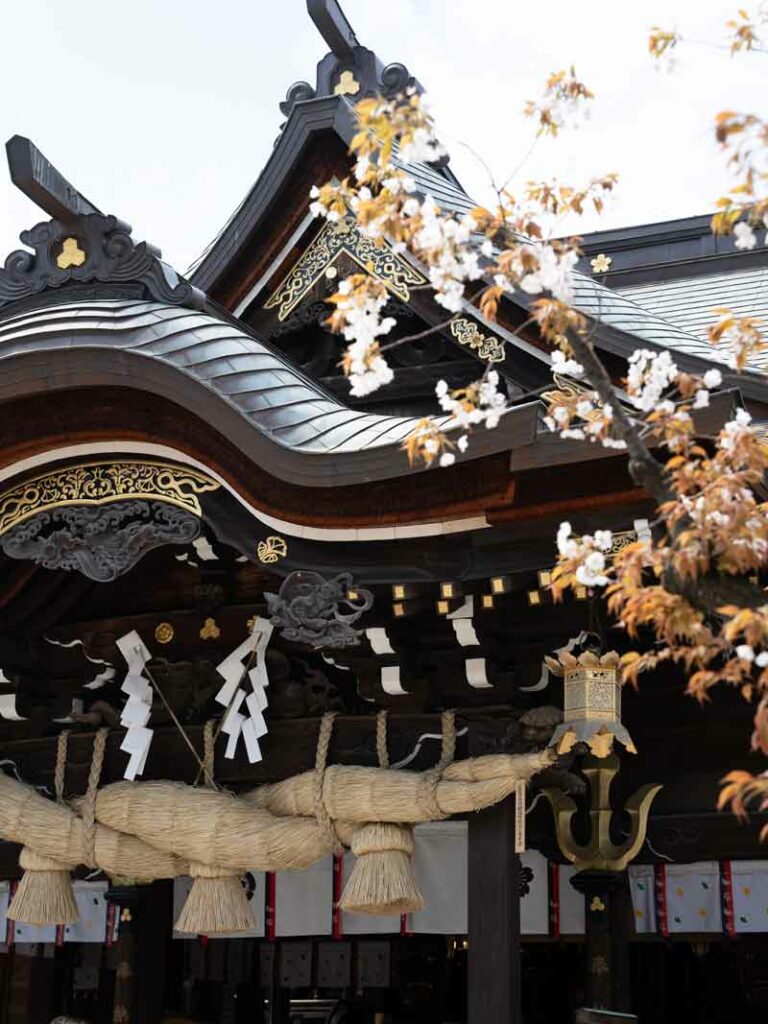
(271, 412)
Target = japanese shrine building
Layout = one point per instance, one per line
(174, 448)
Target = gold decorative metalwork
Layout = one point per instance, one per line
(601, 853)
(328, 245)
(98, 483)
(209, 630)
(466, 332)
(164, 632)
(71, 255)
(592, 703)
(347, 85)
(601, 263)
(272, 550)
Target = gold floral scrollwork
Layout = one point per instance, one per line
(488, 347)
(98, 483)
(272, 550)
(333, 240)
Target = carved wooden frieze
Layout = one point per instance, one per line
(100, 541)
(333, 240)
(102, 482)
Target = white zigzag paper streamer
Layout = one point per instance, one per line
(245, 711)
(138, 707)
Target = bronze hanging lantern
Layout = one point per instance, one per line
(592, 703)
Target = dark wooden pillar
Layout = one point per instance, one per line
(494, 917)
(141, 951)
(154, 920)
(607, 983)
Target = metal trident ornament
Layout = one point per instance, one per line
(601, 853)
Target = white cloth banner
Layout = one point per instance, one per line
(571, 903)
(4, 900)
(92, 908)
(534, 904)
(642, 886)
(693, 897)
(440, 869)
(304, 900)
(750, 895)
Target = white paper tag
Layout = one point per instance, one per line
(256, 702)
(251, 738)
(232, 745)
(233, 720)
(134, 650)
(135, 712)
(136, 740)
(137, 687)
(8, 707)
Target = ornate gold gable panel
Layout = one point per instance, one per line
(333, 240)
(99, 483)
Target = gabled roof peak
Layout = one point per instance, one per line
(349, 69)
(79, 245)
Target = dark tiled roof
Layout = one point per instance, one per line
(280, 405)
(688, 303)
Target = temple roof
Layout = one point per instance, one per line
(221, 370)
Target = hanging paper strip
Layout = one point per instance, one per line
(245, 711)
(138, 707)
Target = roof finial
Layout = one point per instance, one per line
(333, 26)
(37, 178)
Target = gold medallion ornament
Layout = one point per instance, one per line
(347, 85)
(271, 550)
(601, 263)
(71, 255)
(98, 483)
(466, 332)
(210, 630)
(328, 245)
(164, 633)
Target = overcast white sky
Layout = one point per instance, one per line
(164, 111)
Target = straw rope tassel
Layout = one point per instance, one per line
(45, 895)
(382, 880)
(217, 902)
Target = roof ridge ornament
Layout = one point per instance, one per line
(80, 244)
(349, 69)
(90, 248)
